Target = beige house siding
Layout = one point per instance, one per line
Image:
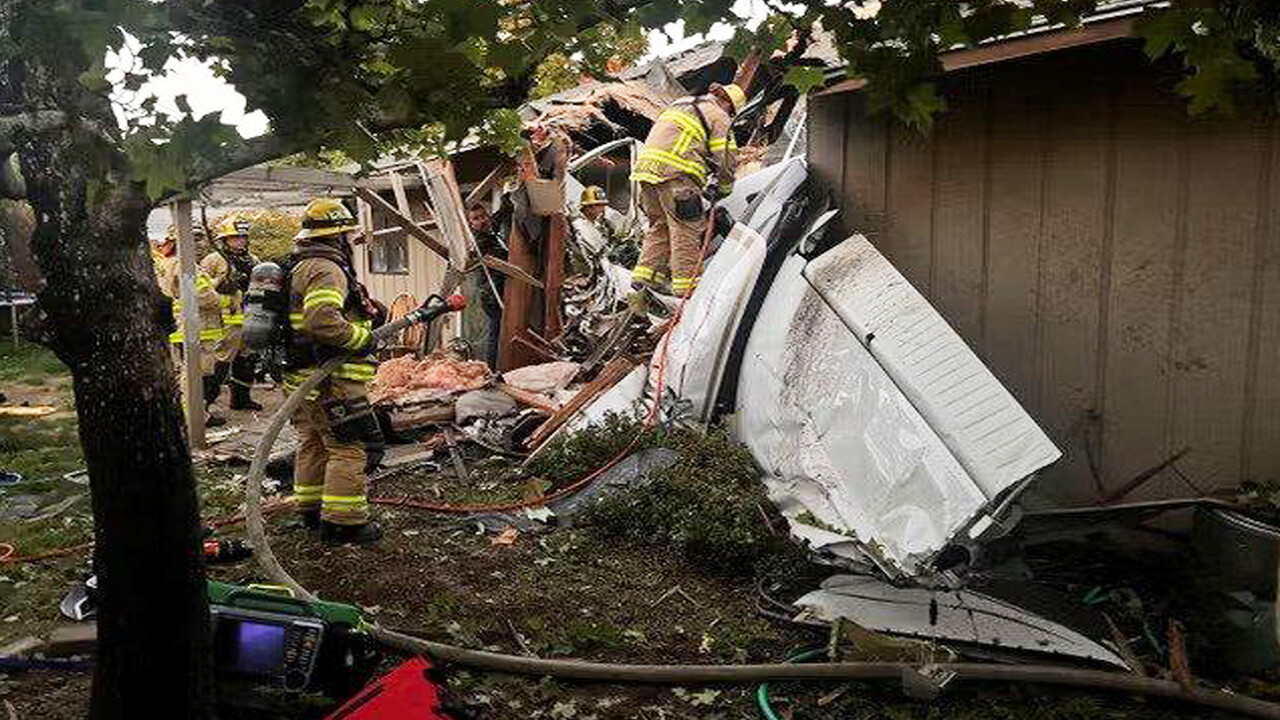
(1116, 263)
(426, 269)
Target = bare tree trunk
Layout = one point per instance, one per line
(105, 319)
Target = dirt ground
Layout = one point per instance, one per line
(564, 594)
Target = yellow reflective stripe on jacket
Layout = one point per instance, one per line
(233, 320)
(723, 144)
(296, 321)
(322, 296)
(686, 121)
(357, 371)
(647, 177)
(203, 283)
(651, 159)
(359, 336)
(691, 130)
(307, 492)
(213, 334)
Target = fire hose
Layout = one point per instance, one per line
(689, 674)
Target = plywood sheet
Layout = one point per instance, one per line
(1209, 362)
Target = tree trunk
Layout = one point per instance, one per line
(105, 321)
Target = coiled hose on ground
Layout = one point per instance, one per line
(691, 674)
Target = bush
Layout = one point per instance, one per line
(271, 236)
(573, 457)
(708, 506)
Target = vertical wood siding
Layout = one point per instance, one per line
(426, 269)
(1116, 263)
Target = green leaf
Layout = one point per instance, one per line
(366, 17)
(922, 103)
(804, 78)
(502, 130)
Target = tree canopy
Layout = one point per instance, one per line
(368, 75)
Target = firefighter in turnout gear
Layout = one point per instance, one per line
(229, 267)
(690, 152)
(338, 434)
(212, 332)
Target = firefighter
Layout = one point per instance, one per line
(690, 152)
(595, 209)
(229, 266)
(331, 314)
(168, 277)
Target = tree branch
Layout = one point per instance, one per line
(40, 121)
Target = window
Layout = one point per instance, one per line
(389, 255)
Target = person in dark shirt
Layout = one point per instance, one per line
(489, 242)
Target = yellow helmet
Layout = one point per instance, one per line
(735, 94)
(593, 195)
(324, 217)
(233, 225)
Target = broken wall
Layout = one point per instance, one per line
(1115, 263)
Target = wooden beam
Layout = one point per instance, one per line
(310, 177)
(364, 213)
(192, 379)
(612, 374)
(446, 206)
(402, 198)
(530, 398)
(407, 223)
(747, 70)
(511, 271)
(397, 230)
(489, 182)
(556, 230)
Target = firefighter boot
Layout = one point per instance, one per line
(334, 534)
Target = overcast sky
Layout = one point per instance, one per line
(207, 93)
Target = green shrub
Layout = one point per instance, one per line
(709, 506)
(573, 457)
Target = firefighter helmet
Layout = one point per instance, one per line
(326, 216)
(734, 94)
(593, 195)
(233, 225)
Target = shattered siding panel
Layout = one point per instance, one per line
(978, 419)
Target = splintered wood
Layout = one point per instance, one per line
(612, 374)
